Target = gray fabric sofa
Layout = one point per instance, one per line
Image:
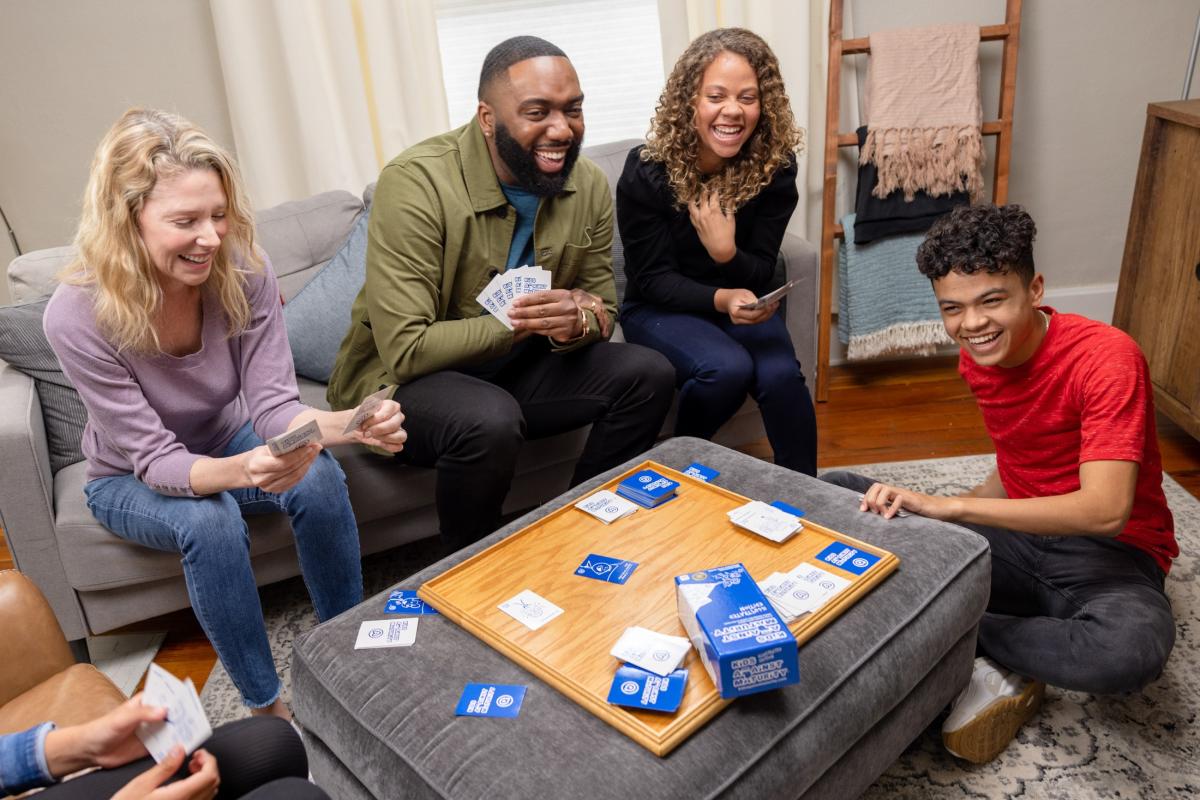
(96, 582)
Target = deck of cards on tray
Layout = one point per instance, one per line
(768, 521)
(647, 488)
(507, 286)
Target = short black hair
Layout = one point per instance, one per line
(509, 52)
(982, 237)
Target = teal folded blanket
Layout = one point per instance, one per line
(885, 305)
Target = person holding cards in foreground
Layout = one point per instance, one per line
(503, 204)
(1080, 533)
(169, 324)
(702, 208)
(257, 757)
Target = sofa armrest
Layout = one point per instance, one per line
(28, 626)
(800, 261)
(26, 498)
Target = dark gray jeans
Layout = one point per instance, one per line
(1085, 613)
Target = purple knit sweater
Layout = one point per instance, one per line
(155, 415)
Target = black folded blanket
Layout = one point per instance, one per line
(876, 218)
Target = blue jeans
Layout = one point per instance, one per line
(1084, 613)
(718, 363)
(214, 540)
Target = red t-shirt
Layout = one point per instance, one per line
(1084, 395)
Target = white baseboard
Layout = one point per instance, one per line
(1094, 301)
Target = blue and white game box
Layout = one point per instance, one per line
(742, 641)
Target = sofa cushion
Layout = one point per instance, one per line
(301, 235)
(23, 344)
(318, 315)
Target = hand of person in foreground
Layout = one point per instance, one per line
(887, 501)
(551, 313)
(201, 784)
(730, 301)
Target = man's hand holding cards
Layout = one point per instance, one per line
(505, 287)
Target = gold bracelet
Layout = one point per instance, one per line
(583, 322)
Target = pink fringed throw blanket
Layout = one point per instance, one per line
(923, 113)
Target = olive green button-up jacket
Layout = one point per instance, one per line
(440, 228)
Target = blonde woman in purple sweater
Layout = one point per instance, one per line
(169, 324)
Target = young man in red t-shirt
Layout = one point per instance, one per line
(1080, 533)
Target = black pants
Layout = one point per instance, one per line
(471, 428)
(1085, 613)
(258, 757)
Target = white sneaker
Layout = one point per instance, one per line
(989, 711)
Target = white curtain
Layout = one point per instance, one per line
(323, 93)
(797, 31)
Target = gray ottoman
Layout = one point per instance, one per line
(381, 724)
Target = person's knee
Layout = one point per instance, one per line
(496, 434)
(211, 524)
(325, 479)
(1133, 658)
(645, 368)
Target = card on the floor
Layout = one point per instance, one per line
(606, 506)
(405, 601)
(186, 723)
(386, 633)
(656, 652)
(490, 700)
(638, 688)
(366, 408)
(288, 441)
(851, 559)
(530, 609)
(700, 472)
(604, 568)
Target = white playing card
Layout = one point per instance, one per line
(765, 520)
(186, 723)
(606, 506)
(288, 441)
(386, 633)
(650, 650)
(366, 408)
(490, 298)
(530, 609)
(825, 583)
(781, 589)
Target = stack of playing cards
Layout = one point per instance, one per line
(606, 506)
(288, 441)
(652, 651)
(638, 688)
(186, 723)
(507, 286)
(801, 591)
(767, 521)
(647, 488)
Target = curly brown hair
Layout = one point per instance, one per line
(673, 141)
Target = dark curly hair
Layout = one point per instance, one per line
(673, 141)
(982, 237)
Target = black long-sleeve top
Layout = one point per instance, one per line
(665, 262)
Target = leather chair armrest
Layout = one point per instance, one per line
(28, 626)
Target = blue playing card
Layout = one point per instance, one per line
(405, 601)
(782, 506)
(603, 568)
(851, 559)
(698, 470)
(638, 688)
(647, 486)
(490, 700)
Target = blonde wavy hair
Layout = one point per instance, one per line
(142, 148)
(673, 141)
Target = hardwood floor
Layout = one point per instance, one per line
(891, 411)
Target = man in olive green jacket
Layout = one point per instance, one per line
(505, 190)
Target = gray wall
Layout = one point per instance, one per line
(1086, 70)
(68, 68)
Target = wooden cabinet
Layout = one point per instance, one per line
(1158, 299)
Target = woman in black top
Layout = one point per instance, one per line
(702, 209)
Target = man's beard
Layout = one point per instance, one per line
(522, 164)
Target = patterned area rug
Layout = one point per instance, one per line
(1145, 745)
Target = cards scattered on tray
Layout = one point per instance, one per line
(530, 609)
(366, 408)
(606, 506)
(490, 700)
(767, 521)
(386, 633)
(288, 441)
(801, 591)
(638, 688)
(186, 723)
(405, 601)
(647, 488)
(651, 650)
(605, 568)
(700, 472)
(507, 286)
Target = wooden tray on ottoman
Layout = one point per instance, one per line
(571, 652)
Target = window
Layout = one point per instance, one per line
(614, 45)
